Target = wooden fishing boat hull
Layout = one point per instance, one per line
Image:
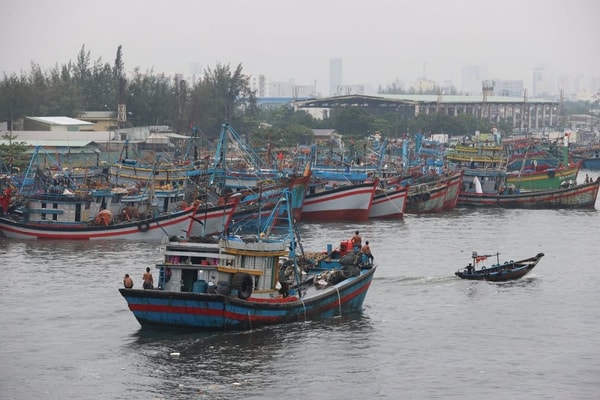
(206, 311)
(389, 204)
(579, 196)
(454, 182)
(503, 272)
(430, 200)
(347, 203)
(198, 221)
(153, 229)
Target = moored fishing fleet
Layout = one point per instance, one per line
(224, 267)
(234, 189)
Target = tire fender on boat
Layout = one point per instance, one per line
(426, 197)
(143, 226)
(244, 283)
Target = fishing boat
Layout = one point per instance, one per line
(256, 204)
(131, 170)
(543, 177)
(427, 197)
(236, 283)
(77, 216)
(569, 196)
(483, 166)
(235, 165)
(531, 167)
(498, 272)
(389, 203)
(454, 181)
(339, 203)
(588, 156)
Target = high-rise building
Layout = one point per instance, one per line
(260, 85)
(544, 82)
(471, 78)
(336, 80)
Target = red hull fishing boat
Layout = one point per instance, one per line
(67, 216)
(343, 203)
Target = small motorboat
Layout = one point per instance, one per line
(498, 272)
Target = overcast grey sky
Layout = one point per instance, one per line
(378, 40)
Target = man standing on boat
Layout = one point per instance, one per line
(366, 250)
(356, 242)
(470, 268)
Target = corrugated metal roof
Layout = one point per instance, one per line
(324, 132)
(414, 99)
(175, 136)
(66, 121)
(95, 136)
(68, 150)
(431, 98)
(50, 143)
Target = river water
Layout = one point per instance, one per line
(423, 333)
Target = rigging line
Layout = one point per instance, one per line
(392, 201)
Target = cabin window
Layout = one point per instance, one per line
(55, 215)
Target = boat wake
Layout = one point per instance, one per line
(417, 280)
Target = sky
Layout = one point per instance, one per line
(379, 41)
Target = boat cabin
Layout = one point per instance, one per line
(242, 266)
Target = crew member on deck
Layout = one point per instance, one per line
(148, 279)
(470, 268)
(356, 242)
(366, 250)
(127, 282)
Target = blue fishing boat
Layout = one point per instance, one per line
(589, 156)
(237, 283)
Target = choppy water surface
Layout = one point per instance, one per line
(423, 334)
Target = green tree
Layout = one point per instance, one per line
(222, 96)
(119, 76)
(352, 121)
(150, 99)
(14, 153)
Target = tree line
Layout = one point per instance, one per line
(220, 95)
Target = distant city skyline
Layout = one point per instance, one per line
(379, 42)
(543, 83)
